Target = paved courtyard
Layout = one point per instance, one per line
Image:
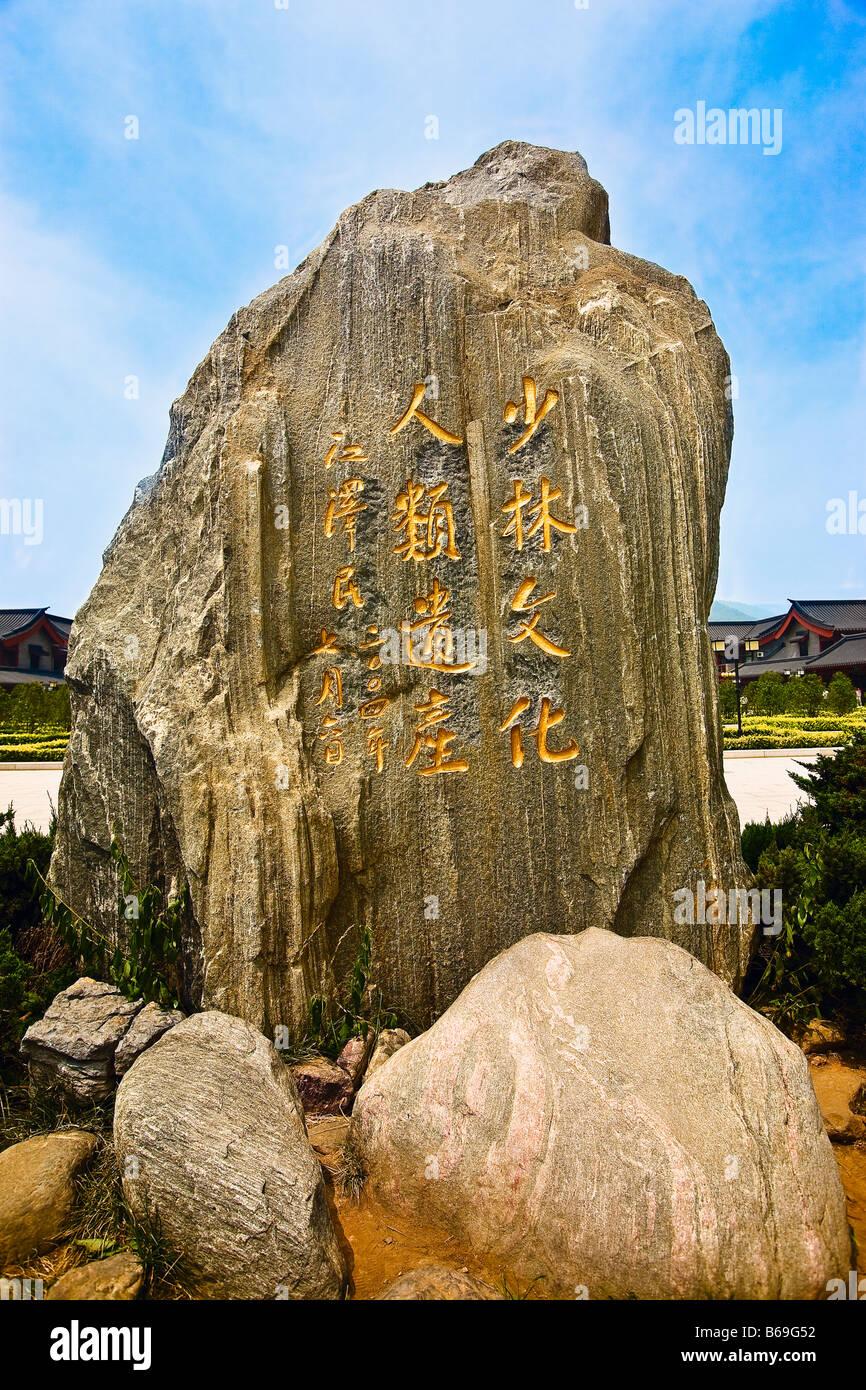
(759, 785)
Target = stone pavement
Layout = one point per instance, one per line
(31, 792)
(759, 785)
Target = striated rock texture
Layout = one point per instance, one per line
(143, 1032)
(72, 1048)
(210, 1137)
(608, 1115)
(550, 526)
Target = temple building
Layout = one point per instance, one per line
(33, 646)
(819, 635)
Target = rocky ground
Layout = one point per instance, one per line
(219, 1168)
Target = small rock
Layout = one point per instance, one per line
(119, 1277)
(438, 1282)
(390, 1040)
(71, 1048)
(146, 1027)
(37, 1193)
(213, 1117)
(822, 1036)
(841, 1093)
(354, 1056)
(324, 1088)
(328, 1133)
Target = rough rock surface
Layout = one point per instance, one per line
(355, 1055)
(328, 1134)
(145, 1028)
(438, 1282)
(387, 1043)
(72, 1047)
(606, 1112)
(119, 1277)
(212, 1115)
(37, 1192)
(224, 678)
(324, 1088)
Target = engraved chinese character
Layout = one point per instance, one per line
(532, 416)
(373, 662)
(332, 736)
(523, 603)
(332, 687)
(437, 741)
(350, 453)
(371, 709)
(430, 638)
(548, 719)
(344, 506)
(345, 588)
(327, 644)
(542, 518)
(376, 746)
(418, 391)
(427, 533)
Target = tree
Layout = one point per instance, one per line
(817, 860)
(804, 694)
(727, 700)
(767, 695)
(841, 698)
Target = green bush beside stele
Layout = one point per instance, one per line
(816, 967)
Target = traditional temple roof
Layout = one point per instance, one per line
(14, 621)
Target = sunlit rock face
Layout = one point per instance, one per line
(408, 630)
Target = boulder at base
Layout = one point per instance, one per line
(144, 1030)
(438, 1283)
(606, 1113)
(37, 1191)
(71, 1048)
(213, 1118)
(117, 1278)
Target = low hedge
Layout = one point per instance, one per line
(33, 752)
(792, 738)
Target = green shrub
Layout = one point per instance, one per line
(727, 700)
(32, 705)
(841, 696)
(141, 961)
(19, 900)
(767, 694)
(804, 694)
(817, 967)
(33, 964)
(757, 836)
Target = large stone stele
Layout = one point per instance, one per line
(212, 735)
(608, 1115)
(210, 1137)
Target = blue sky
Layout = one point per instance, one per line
(258, 125)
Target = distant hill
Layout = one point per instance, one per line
(724, 612)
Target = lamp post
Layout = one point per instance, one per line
(730, 647)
